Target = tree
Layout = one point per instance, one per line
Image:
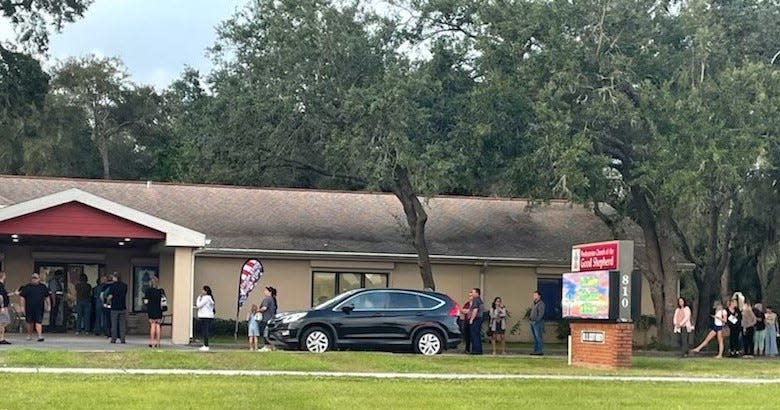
(112, 105)
(23, 84)
(317, 92)
(33, 19)
(619, 109)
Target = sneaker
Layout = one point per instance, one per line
(264, 349)
(204, 348)
(29, 337)
(40, 339)
(4, 342)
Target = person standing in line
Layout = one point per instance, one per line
(682, 325)
(465, 313)
(97, 306)
(476, 309)
(770, 317)
(153, 302)
(734, 323)
(268, 309)
(498, 324)
(117, 299)
(537, 323)
(105, 290)
(5, 315)
(83, 304)
(206, 310)
(253, 320)
(748, 329)
(760, 334)
(57, 289)
(34, 299)
(716, 331)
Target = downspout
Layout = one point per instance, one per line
(482, 271)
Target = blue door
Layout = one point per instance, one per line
(550, 289)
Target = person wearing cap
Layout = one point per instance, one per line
(33, 298)
(268, 309)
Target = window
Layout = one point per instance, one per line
(400, 300)
(550, 290)
(326, 285)
(369, 301)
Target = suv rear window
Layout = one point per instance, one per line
(399, 300)
(406, 300)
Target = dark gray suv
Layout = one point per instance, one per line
(384, 319)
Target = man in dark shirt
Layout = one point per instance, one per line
(117, 299)
(34, 299)
(58, 291)
(83, 304)
(476, 309)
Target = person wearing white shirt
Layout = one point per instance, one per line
(716, 330)
(206, 310)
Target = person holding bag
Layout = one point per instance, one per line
(153, 302)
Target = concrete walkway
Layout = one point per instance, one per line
(81, 343)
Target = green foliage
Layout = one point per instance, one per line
(223, 327)
(32, 19)
(563, 329)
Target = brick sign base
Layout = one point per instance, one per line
(601, 345)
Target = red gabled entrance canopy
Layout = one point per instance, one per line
(79, 220)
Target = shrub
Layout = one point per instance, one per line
(222, 327)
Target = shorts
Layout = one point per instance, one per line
(716, 328)
(254, 329)
(33, 315)
(155, 321)
(262, 329)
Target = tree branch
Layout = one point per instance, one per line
(685, 247)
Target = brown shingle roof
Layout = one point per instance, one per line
(315, 220)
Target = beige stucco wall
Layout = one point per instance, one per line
(293, 279)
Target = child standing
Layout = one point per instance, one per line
(253, 322)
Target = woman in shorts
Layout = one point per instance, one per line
(716, 330)
(498, 324)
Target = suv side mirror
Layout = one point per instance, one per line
(347, 309)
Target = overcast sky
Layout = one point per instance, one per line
(155, 39)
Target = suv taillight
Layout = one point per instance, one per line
(454, 310)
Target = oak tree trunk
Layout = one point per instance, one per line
(416, 217)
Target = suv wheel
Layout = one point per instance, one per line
(428, 342)
(317, 340)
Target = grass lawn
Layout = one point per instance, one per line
(201, 392)
(382, 362)
(26, 391)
